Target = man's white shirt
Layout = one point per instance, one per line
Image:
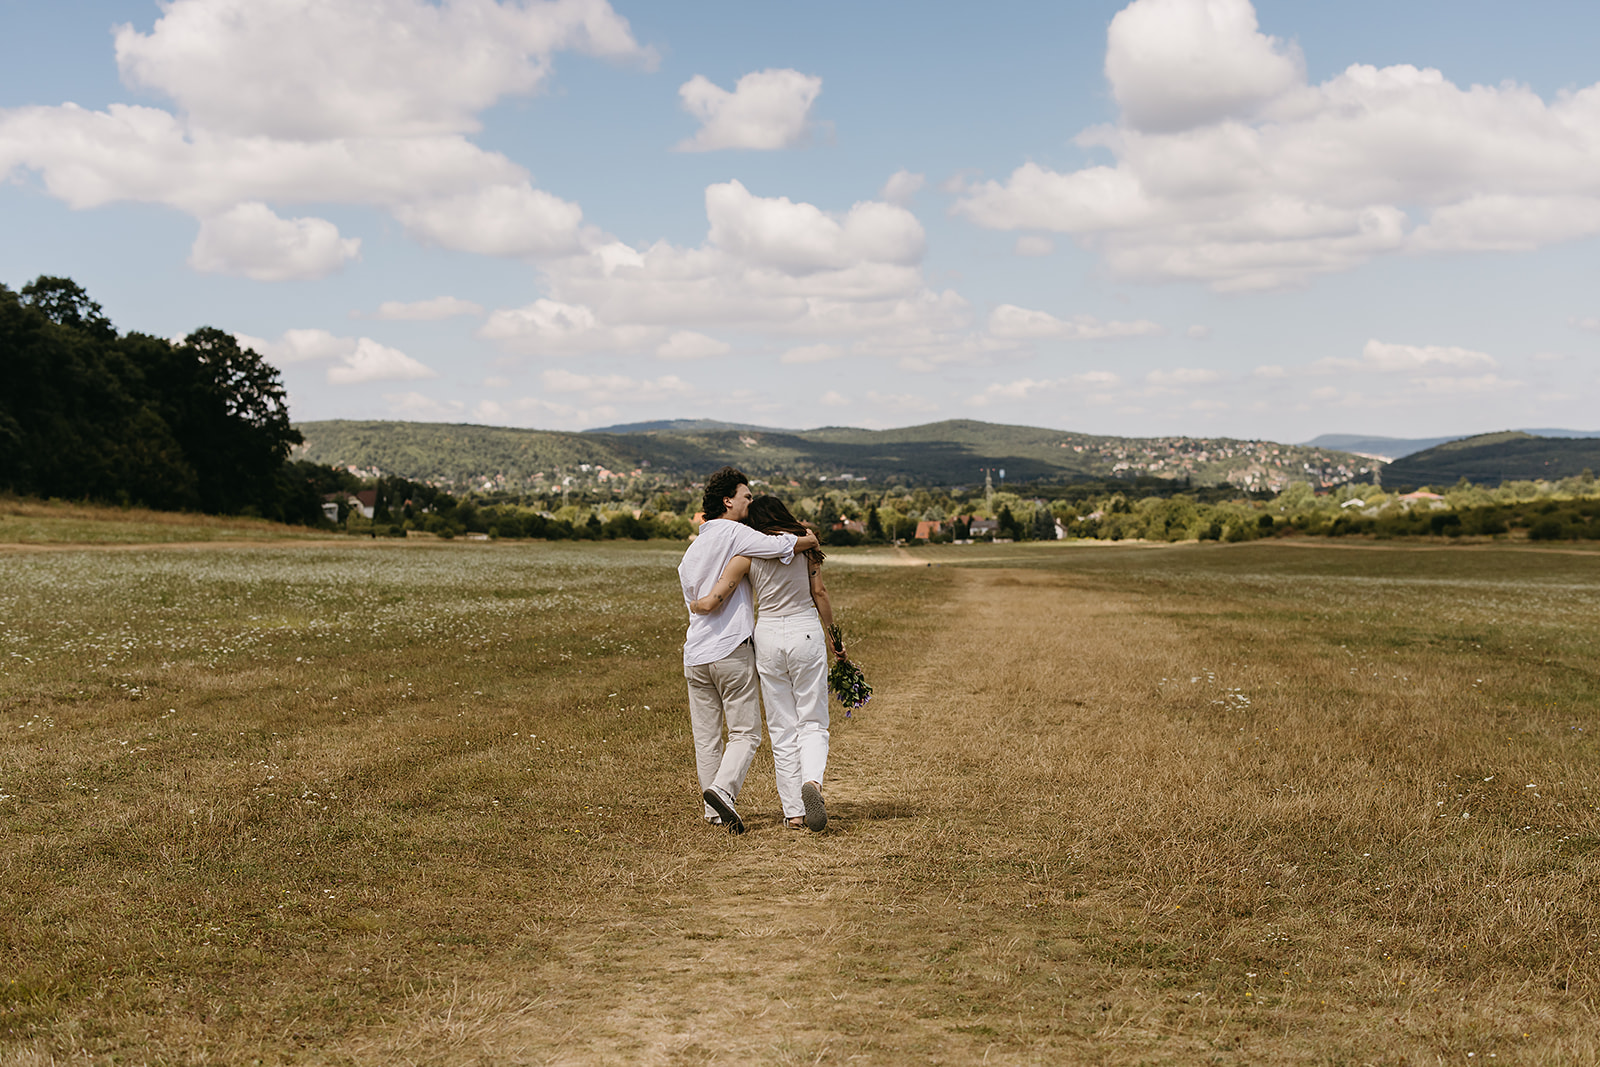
(712, 637)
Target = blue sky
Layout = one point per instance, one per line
(1168, 216)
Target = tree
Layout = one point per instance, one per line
(232, 416)
(827, 515)
(85, 413)
(874, 525)
(66, 303)
(1044, 526)
(1009, 526)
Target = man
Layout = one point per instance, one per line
(718, 659)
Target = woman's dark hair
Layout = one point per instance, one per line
(721, 485)
(770, 515)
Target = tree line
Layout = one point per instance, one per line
(87, 413)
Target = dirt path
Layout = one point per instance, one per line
(789, 947)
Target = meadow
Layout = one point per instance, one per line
(428, 802)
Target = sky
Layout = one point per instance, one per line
(1199, 217)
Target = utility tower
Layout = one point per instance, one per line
(988, 484)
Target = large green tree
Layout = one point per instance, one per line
(85, 413)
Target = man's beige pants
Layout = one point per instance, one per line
(726, 692)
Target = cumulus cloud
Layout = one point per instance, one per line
(800, 238)
(767, 109)
(1022, 389)
(1016, 323)
(1177, 64)
(1034, 245)
(901, 187)
(372, 362)
(499, 220)
(280, 102)
(299, 346)
(357, 360)
(440, 307)
(616, 389)
(1198, 333)
(297, 71)
(687, 344)
(549, 327)
(1232, 170)
(789, 269)
(251, 241)
(1385, 358)
(1589, 324)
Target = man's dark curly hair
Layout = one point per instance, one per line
(721, 485)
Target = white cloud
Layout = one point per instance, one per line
(359, 359)
(616, 389)
(283, 102)
(787, 269)
(1033, 245)
(1270, 371)
(687, 344)
(297, 71)
(812, 354)
(1198, 333)
(1016, 323)
(1182, 377)
(901, 187)
(1393, 357)
(250, 240)
(834, 399)
(1177, 64)
(1230, 169)
(549, 327)
(416, 406)
(1384, 358)
(767, 109)
(1030, 389)
(300, 346)
(440, 307)
(499, 220)
(372, 362)
(1589, 324)
(801, 238)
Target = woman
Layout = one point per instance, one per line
(794, 615)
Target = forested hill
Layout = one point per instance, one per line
(1492, 458)
(944, 453)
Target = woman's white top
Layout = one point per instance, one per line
(782, 589)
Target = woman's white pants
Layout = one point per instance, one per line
(792, 660)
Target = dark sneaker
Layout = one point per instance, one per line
(722, 804)
(816, 814)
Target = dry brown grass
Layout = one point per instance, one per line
(1109, 806)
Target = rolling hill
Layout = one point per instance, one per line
(1492, 458)
(955, 452)
(1393, 448)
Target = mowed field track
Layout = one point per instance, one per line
(1208, 804)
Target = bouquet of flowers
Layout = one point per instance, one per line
(845, 679)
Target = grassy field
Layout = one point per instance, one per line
(33, 522)
(402, 802)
